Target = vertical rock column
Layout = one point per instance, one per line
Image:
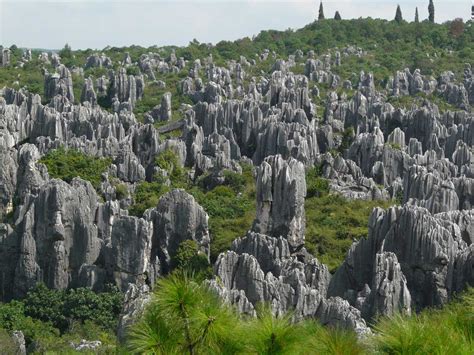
(281, 190)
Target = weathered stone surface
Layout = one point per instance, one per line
(178, 217)
(59, 83)
(426, 247)
(281, 189)
(58, 235)
(135, 300)
(130, 250)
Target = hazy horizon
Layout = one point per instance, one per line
(97, 24)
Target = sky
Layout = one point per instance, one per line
(98, 23)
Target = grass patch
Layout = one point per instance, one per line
(333, 222)
(67, 164)
(231, 208)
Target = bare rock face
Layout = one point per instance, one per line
(135, 301)
(58, 235)
(165, 108)
(389, 292)
(88, 93)
(260, 268)
(178, 217)
(8, 178)
(409, 253)
(19, 340)
(5, 59)
(126, 88)
(281, 189)
(130, 250)
(59, 83)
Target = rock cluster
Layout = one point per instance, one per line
(70, 235)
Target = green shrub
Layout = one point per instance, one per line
(121, 191)
(184, 317)
(147, 194)
(68, 164)
(60, 308)
(449, 330)
(332, 223)
(191, 260)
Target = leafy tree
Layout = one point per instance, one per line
(456, 28)
(337, 16)
(66, 52)
(62, 308)
(417, 17)
(431, 12)
(398, 15)
(321, 11)
(191, 260)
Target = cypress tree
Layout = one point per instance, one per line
(431, 11)
(337, 16)
(321, 11)
(417, 18)
(398, 15)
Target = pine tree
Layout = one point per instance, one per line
(417, 18)
(321, 11)
(431, 11)
(398, 15)
(337, 16)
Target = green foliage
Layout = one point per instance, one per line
(270, 335)
(231, 208)
(316, 185)
(321, 11)
(147, 194)
(395, 146)
(189, 259)
(437, 331)
(184, 317)
(66, 52)
(332, 223)
(68, 164)
(169, 161)
(60, 308)
(133, 70)
(7, 344)
(398, 15)
(121, 191)
(51, 319)
(431, 12)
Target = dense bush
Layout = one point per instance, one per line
(51, 319)
(61, 308)
(190, 260)
(449, 330)
(68, 164)
(184, 317)
(231, 208)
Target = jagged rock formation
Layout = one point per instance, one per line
(409, 259)
(59, 83)
(71, 235)
(260, 269)
(281, 189)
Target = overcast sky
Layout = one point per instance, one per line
(98, 23)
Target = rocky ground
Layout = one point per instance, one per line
(298, 116)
